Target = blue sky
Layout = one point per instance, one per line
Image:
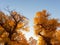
(29, 7)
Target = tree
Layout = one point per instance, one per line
(45, 27)
(10, 28)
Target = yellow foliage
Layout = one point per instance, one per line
(53, 22)
(49, 34)
(11, 22)
(41, 41)
(18, 43)
(14, 43)
(26, 29)
(38, 14)
(37, 32)
(58, 35)
(20, 25)
(8, 28)
(5, 34)
(40, 18)
(45, 26)
(36, 20)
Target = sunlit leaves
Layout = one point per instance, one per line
(40, 17)
(41, 41)
(19, 38)
(45, 26)
(41, 13)
(11, 23)
(58, 35)
(20, 25)
(40, 20)
(5, 34)
(9, 26)
(26, 29)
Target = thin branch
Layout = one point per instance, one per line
(17, 24)
(4, 28)
(47, 40)
(13, 17)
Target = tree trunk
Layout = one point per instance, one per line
(6, 43)
(47, 40)
(10, 35)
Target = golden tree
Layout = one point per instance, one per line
(45, 27)
(10, 28)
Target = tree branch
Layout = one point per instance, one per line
(4, 27)
(13, 17)
(47, 40)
